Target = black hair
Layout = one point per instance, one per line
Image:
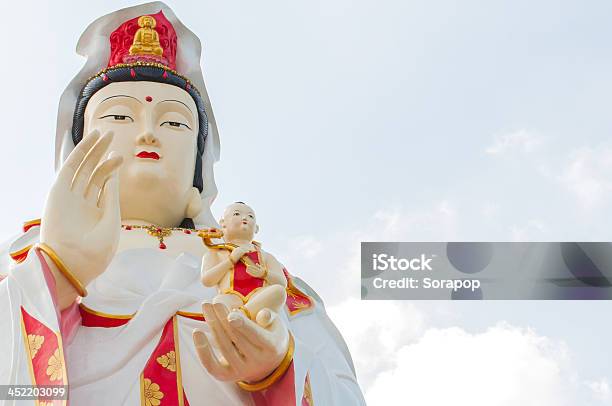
(141, 72)
(187, 223)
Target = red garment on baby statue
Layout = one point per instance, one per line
(241, 282)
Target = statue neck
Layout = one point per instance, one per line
(136, 222)
(239, 241)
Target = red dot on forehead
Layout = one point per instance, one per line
(148, 98)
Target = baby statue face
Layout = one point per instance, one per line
(239, 222)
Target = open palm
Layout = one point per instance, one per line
(81, 220)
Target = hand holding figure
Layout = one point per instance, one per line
(238, 348)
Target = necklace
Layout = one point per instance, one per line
(159, 232)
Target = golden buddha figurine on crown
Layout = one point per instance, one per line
(146, 40)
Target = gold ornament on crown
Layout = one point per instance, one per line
(146, 40)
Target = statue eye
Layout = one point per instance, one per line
(175, 124)
(236, 214)
(251, 216)
(118, 117)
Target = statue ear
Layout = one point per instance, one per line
(194, 207)
(256, 228)
(222, 222)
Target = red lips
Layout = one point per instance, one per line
(147, 154)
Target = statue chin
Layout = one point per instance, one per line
(148, 195)
(146, 170)
(151, 208)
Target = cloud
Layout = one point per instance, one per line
(503, 366)
(527, 232)
(375, 331)
(439, 221)
(401, 359)
(588, 175)
(601, 390)
(307, 247)
(523, 141)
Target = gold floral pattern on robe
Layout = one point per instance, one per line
(35, 342)
(55, 368)
(168, 361)
(152, 394)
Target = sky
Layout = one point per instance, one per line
(346, 121)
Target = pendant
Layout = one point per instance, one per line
(160, 234)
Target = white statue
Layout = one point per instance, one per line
(104, 294)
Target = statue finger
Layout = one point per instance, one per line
(253, 270)
(254, 333)
(243, 346)
(208, 358)
(221, 312)
(71, 164)
(99, 177)
(223, 340)
(88, 164)
(109, 203)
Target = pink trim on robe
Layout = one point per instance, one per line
(281, 393)
(49, 278)
(70, 322)
(69, 318)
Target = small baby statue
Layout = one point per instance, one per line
(246, 277)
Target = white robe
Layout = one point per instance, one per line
(104, 364)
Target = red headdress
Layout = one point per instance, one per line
(147, 40)
(122, 42)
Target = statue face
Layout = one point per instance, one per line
(239, 222)
(155, 128)
(147, 21)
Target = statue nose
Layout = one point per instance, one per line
(148, 138)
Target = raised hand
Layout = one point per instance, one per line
(250, 351)
(81, 220)
(240, 251)
(256, 271)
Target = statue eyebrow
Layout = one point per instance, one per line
(122, 95)
(178, 101)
